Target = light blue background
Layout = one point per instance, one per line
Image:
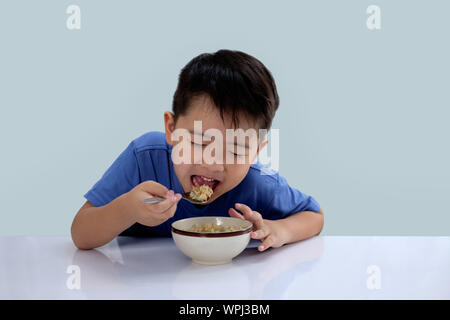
(363, 117)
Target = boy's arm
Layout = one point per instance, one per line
(299, 226)
(95, 226)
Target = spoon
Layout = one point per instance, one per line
(184, 196)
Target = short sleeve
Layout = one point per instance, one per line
(119, 178)
(287, 200)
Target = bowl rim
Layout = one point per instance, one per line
(212, 234)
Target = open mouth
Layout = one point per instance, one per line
(197, 180)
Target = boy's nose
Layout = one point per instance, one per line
(217, 167)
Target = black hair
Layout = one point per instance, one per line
(235, 81)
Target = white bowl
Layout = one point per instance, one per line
(211, 248)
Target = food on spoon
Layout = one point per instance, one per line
(202, 187)
(201, 193)
(209, 227)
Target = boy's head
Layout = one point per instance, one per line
(224, 90)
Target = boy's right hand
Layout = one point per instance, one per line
(150, 214)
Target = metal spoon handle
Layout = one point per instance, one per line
(153, 200)
(185, 197)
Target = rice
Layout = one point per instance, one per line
(201, 193)
(210, 227)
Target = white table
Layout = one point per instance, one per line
(323, 267)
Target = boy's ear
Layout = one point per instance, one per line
(169, 125)
(260, 147)
(263, 144)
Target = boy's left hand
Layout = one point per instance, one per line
(268, 231)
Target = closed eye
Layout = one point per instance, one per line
(197, 144)
(203, 145)
(237, 155)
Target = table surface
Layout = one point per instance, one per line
(322, 267)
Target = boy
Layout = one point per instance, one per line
(225, 90)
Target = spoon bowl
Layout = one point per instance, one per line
(185, 196)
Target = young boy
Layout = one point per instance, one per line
(224, 90)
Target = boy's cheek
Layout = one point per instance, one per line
(237, 169)
(183, 174)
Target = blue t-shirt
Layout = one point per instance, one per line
(148, 157)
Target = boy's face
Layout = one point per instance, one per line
(226, 174)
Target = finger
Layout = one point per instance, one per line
(235, 214)
(163, 206)
(260, 234)
(154, 188)
(247, 212)
(259, 221)
(267, 243)
(244, 208)
(253, 216)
